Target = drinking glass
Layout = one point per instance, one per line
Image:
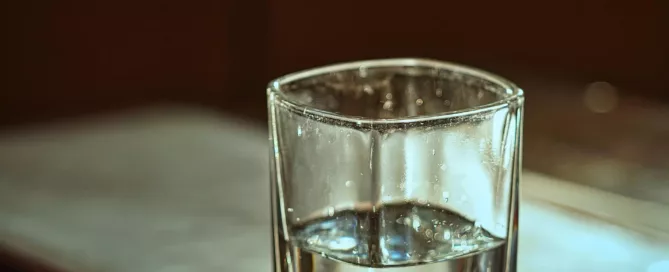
(395, 165)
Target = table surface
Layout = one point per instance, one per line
(185, 190)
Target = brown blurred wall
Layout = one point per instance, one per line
(68, 58)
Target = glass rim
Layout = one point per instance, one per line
(512, 93)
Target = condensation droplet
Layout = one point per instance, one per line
(362, 72)
(348, 183)
(368, 89)
(289, 209)
(299, 131)
(419, 102)
(388, 105)
(445, 195)
(331, 211)
(447, 234)
(447, 103)
(439, 92)
(297, 219)
(389, 96)
(434, 152)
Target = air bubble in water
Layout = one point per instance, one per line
(428, 233)
(419, 102)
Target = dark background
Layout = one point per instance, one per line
(73, 57)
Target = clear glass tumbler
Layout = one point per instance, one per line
(395, 165)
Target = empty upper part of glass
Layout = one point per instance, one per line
(395, 89)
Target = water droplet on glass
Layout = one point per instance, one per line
(297, 219)
(445, 195)
(447, 235)
(415, 222)
(331, 211)
(348, 183)
(289, 209)
(439, 92)
(299, 131)
(388, 105)
(419, 102)
(434, 152)
(442, 166)
(447, 103)
(368, 89)
(389, 96)
(362, 72)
